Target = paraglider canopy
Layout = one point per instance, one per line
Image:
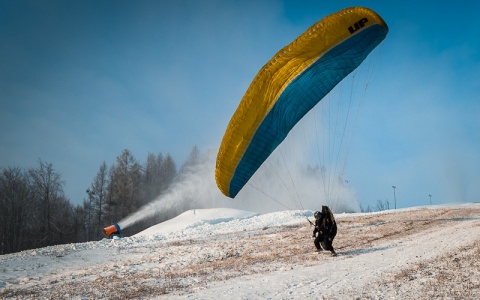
(289, 86)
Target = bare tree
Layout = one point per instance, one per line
(151, 178)
(168, 171)
(78, 230)
(46, 188)
(98, 193)
(14, 197)
(124, 186)
(381, 205)
(192, 160)
(62, 220)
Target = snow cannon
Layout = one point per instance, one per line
(112, 231)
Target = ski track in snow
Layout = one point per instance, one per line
(226, 253)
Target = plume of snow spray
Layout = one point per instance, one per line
(296, 186)
(194, 187)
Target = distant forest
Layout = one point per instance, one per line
(35, 212)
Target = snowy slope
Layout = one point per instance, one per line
(415, 253)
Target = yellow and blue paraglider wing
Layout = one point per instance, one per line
(290, 85)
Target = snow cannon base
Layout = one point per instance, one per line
(113, 231)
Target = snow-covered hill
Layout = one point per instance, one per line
(414, 253)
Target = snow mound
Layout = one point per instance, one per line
(196, 218)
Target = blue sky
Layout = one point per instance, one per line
(82, 80)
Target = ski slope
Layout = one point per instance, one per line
(415, 253)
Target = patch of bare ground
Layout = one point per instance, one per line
(362, 232)
(455, 275)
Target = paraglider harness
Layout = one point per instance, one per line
(326, 213)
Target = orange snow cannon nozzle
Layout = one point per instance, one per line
(112, 230)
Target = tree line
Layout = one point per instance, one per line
(35, 212)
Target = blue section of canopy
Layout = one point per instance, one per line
(301, 95)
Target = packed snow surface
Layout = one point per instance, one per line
(415, 253)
